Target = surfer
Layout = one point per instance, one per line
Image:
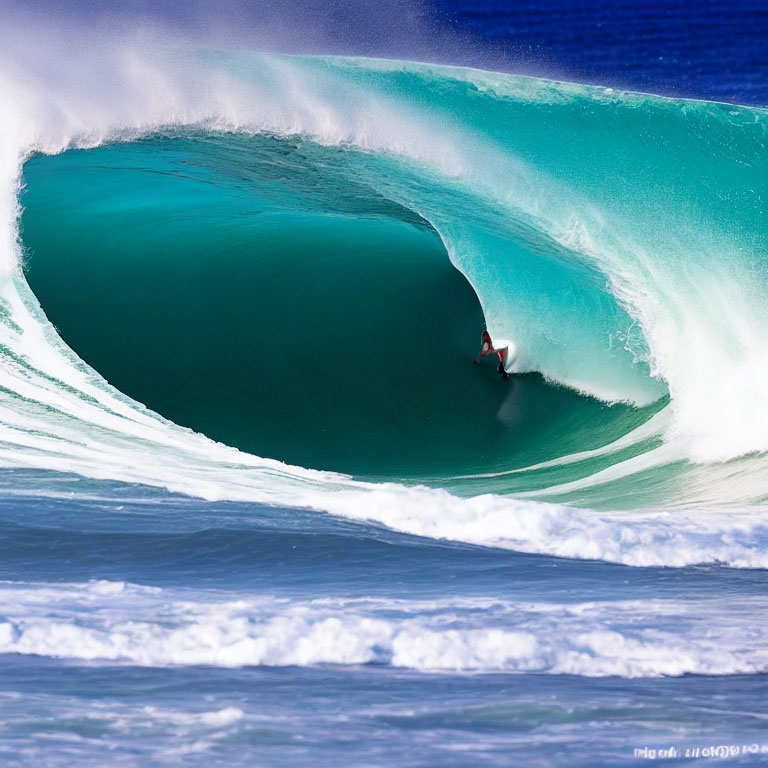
(487, 348)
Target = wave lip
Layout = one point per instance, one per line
(115, 622)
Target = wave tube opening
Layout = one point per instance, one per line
(250, 288)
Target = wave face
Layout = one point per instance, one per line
(614, 240)
(264, 296)
(203, 255)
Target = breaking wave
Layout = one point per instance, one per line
(294, 256)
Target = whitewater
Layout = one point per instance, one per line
(380, 534)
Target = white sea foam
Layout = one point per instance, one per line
(130, 624)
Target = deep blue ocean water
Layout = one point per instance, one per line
(152, 613)
(713, 49)
(192, 578)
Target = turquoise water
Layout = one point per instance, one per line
(251, 289)
(328, 285)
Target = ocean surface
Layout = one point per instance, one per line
(257, 506)
(712, 49)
